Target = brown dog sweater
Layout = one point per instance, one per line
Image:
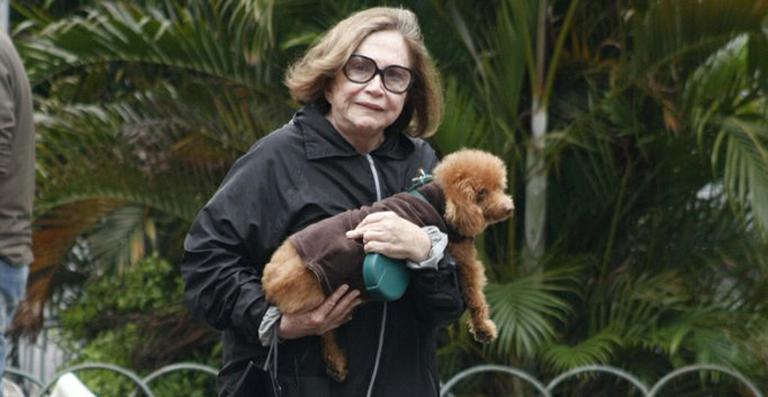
(337, 260)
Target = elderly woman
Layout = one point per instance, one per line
(369, 92)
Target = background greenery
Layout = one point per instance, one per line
(119, 321)
(641, 187)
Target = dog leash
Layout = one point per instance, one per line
(270, 365)
(418, 182)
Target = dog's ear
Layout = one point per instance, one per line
(462, 211)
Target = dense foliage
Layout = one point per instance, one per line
(635, 133)
(124, 321)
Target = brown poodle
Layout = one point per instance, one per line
(468, 194)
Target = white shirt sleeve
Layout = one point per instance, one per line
(269, 324)
(436, 253)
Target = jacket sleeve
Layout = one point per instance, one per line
(7, 120)
(227, 247)
(437, 293)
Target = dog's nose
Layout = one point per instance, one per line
(509, 208)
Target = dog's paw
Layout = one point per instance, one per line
(485, 332)
(335, 359)
(337, 371)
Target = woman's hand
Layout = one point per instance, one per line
(390, 235)
(329, 315)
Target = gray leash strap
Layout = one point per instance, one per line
(270, 365)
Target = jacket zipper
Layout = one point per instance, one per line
(375, 176)
(384, 312)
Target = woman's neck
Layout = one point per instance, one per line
(363, 142)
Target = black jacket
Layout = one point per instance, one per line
(295, 176)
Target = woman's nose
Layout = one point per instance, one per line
(376, 85)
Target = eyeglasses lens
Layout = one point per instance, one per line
(361, 70)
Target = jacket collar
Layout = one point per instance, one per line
(321, 139)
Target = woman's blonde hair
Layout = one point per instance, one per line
(308, 78)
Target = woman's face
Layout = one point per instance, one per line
(361, 112)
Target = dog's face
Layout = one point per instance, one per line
(474, 184)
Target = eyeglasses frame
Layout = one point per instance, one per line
(379, 72)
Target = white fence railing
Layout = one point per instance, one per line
(35, 387)
(549, 389)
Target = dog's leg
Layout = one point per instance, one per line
(289, 284)
(472, 278)
(293, 288)
(335, 359)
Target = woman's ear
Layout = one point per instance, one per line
(462, 211)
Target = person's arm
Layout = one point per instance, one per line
(226, 249)
(220, 268)
(437, 293)
(231, 239)
(330, 314)
(7, 120)
(387, 233)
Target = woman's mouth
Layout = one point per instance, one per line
(370, 106)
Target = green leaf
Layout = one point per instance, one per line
(527, 310)
(598, 349)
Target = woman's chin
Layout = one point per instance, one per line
(369, 127)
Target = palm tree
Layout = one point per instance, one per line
(656, 169)
(653, 158)
(142, 107)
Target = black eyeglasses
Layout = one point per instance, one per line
(361, 69)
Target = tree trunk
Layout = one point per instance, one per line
(535, 192)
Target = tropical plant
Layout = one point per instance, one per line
(656, 169)
(142, 107)
(653, 161)
(116, 322)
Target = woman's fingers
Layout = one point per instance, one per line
(334, 311)
(377, 221)
(330, 302)
(376, 235)
(342, 312)
(393, 236)
(376, 217)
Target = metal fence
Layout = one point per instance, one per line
(43, 355)
(551, 387)
(143, 384)
(39, 388)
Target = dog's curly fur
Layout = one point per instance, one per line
(474, 184)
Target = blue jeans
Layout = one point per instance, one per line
(13, 283)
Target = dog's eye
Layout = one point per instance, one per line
(481, 194)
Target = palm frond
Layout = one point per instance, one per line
(497, 76)
(718, 84)
(121, 152)
(695, 336)
(746, 163)
(669, 31)
(528, 309)
(119, 237)
(598, 349)
(758, 61)
(127, 186)
(461, 129)
(55, 232)
(119, 32)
